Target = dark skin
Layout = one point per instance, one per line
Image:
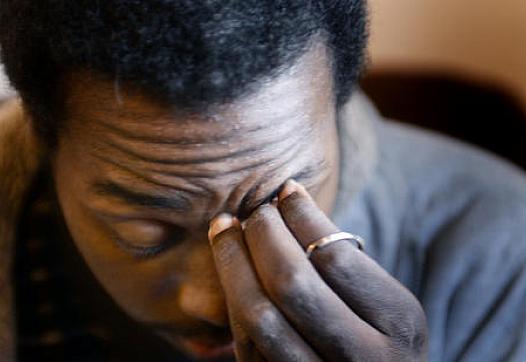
(337, 305)
(139, 184)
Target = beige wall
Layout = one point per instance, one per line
(484, 38)
(5, 90)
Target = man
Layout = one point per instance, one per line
(172, 132)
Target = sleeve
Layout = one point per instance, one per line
(474, 281)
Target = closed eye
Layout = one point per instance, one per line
(147, 245)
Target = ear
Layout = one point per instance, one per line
(20, 159)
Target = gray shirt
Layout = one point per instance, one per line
(449, 221)
(446, 219)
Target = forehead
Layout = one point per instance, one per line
(227, 152)
(305, 85)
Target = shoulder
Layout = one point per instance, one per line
(464, 234)
(450, 185)
(433, 198)
(20, 155)
(19, 161)
(433, 160)
(447, 219)
(421, 185)
(443, 174)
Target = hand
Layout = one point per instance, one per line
(339, 305)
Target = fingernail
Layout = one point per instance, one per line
(288, 189)
(219, 224)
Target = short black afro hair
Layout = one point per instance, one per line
(189, 53)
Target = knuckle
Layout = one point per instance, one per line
(412, 328)
(261, 316)
(290, 288)
(394, 351)
(265, 324)
(418, 342)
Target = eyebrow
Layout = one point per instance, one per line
(247, 205)
(180, 203)
(175, 202)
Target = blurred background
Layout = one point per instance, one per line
(5, 90)
(456, 66)
(482, 39)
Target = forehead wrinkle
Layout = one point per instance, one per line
(157, 184)
(259, 131)
(165, 161)
(216, 128)
(190, 171)
(211, 175)
(151, 139)
(203, 190)
(236, 161)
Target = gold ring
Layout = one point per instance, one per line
(329, 239)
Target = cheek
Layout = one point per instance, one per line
(115, 270)
(112, 268)
(134, 285)
(152, 289)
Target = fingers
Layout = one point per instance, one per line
(258, 326)
(365, 287)
(245, 349)
(295, 287)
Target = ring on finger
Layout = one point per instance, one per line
(329, 239)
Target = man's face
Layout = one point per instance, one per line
(139, 183)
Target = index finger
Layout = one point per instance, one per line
(251, 313)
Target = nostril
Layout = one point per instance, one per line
(204, 303)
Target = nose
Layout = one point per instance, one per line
(204, 302)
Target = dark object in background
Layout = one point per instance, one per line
(479, 113)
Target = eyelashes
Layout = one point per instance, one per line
(145, 252)
(140, 252)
